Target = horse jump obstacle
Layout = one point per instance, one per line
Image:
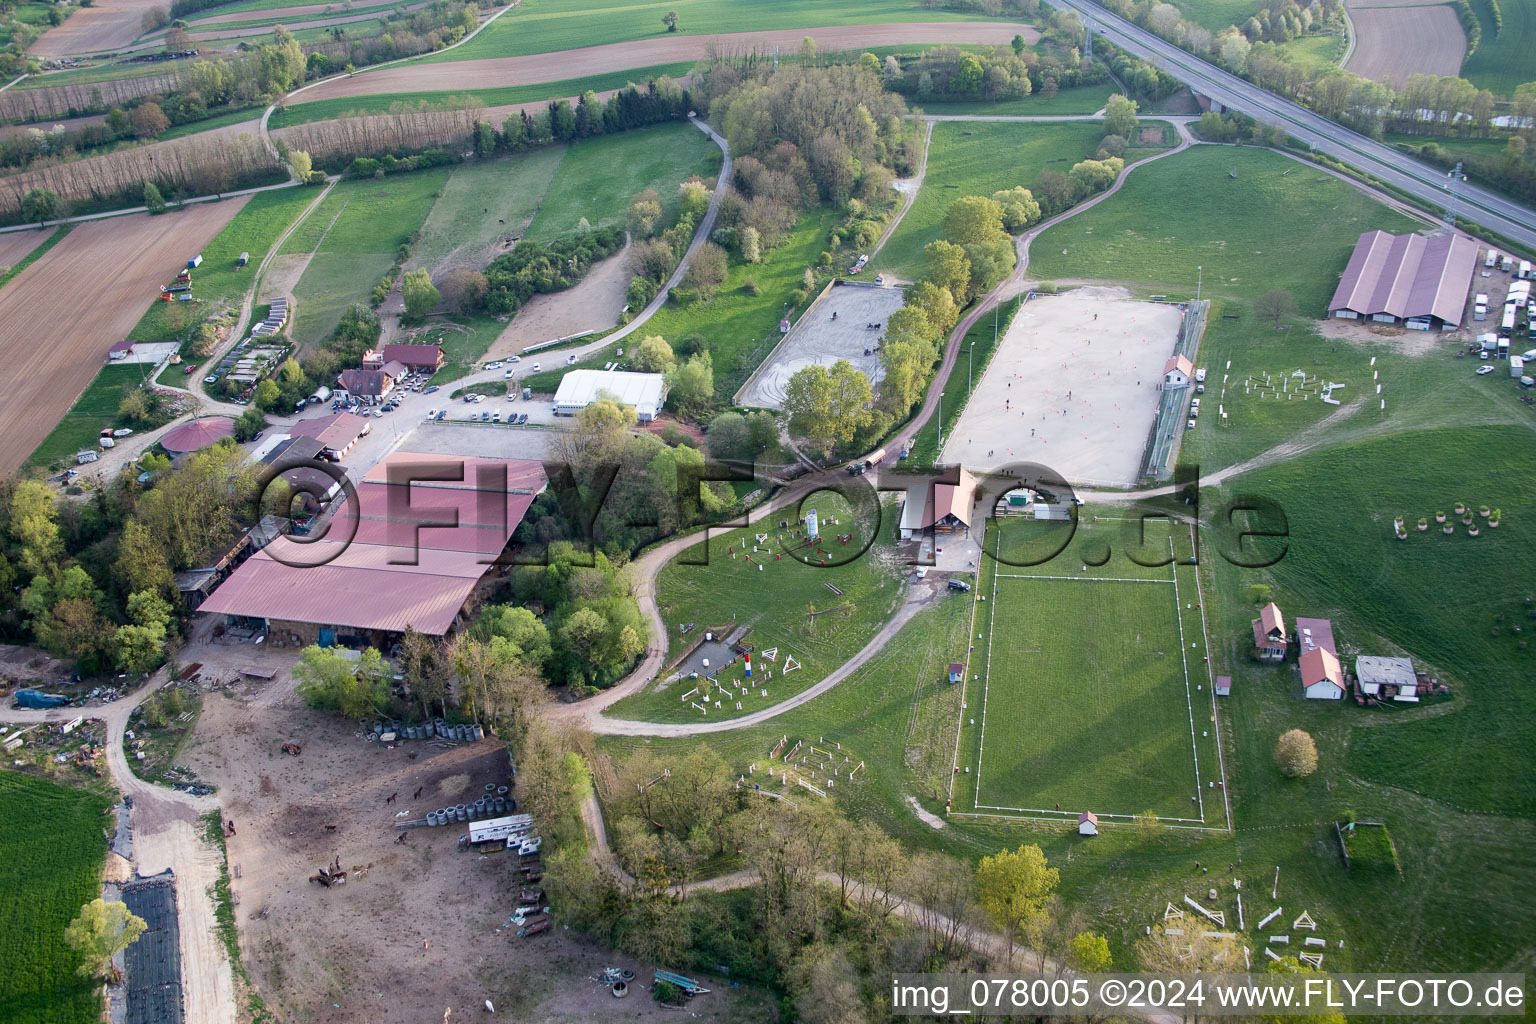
(1214, 915)
(1270, 916)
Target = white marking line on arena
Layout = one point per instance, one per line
(1189, 697)
(987, 682)
(1087, 579)
(1067, 816)
(1210, 673)
(1023, 817)
(965, 685)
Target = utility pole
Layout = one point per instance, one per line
(1199, 280)
(941, 421)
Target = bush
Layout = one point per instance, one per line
(1296, 754)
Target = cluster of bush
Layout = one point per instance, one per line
(532, 268)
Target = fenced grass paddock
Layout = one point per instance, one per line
(1083, 690)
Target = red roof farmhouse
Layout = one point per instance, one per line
(1269, 639)
(1409, 279)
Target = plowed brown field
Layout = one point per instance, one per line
(110, 25)
(61, 314)
(15, 245)
(595, 60)
(1392, 43)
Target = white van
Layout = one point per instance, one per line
(1509, 318)
(1506, 264)
(1525, 269)
(1492, 260)
(1480, 308)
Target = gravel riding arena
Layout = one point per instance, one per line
(860, 314)
(1073, 386)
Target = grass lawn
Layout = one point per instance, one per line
(553, 25)
(1083, 690)
(355, 236)
(1082, 99)
(1217, 14)
(208, 124)
(324, 110)
(510, 189)
(776, 601)
(50, 866)
(95, 408)
(1315, 54)
(218, 283)
(969, 158)
(598, 177)
(1500, 64)
(1278, 224)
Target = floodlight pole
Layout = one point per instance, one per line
(941, 421)
(1199, 280)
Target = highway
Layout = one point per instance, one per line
(1492, 211)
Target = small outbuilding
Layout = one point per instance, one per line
(1223, 686)
(1387, 677)
(1321, 675)
(956, 672)
(1087, 824)
(1269, 639)
(1177, 372)
(195, 435)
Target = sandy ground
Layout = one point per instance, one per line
(593, 305)
(15, 246)
(283, 273)
(591, 60)
(109, 25)
(1110, 367)
(818, 339)
(422, 926)
(1402, 40)
(49, 336)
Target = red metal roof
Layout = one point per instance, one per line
(195, 435)
(336, 431)
(1321, 665)
(1269, 626)
(1316, 633)
(1407, 276)
(367, 580)
(413, 355)
(950, 498)
(1224, 685)
(1180, 363)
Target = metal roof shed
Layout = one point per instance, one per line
(580, 388)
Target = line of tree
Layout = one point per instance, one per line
(184, 167)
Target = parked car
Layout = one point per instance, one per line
(1191, 424)
(1199, 389)
(496, 416)
(570, 360)
(534, 367)
(515, 359)
(430, 389)
(1194, 403)
(960, 585)
(1200, 375)
(508, 375)
(212, 378)
(189, 370)
(1484, 369)
(522, 419)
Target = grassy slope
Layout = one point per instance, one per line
(599, 176)
(1187, 211)
(372, 219)
(553, 25)
(321, 110)
(509, 189)
(1217, 14)
(50, 865)
(1500, 64)
(775, 601)
(1084, 99)
(95, 408)
(969, 158)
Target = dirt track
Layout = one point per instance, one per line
(594, 304)
(109, 25)
(1396, 42)
(53, 339)
(592, 60)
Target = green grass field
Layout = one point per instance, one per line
(776, 601)
(1278, 224)
(355, 236)
(1315, 54)
(1083, 685)
(510, 190)
(218, 283)
(51, 853)
(324, 110)
(977, 158)
(598, 177)
(95, 408)
(552, 25)
(1217, 14)
(1500, 64)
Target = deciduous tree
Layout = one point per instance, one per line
(99, 932)
(1274, 305)
(827, 405)
(420, 294)
(1296, 754)
(1015, 889)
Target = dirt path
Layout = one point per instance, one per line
(593, 304)
(909, 188)
(670, 49)
(60, 315)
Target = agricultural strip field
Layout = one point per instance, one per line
(537, 66)
(1394, 43)
(94, 28)
(94, 409)
(15, 246)
(554, 25)
(598, 177)
(1087, 684)
(508, 192)
(1502, 63)
(776, 595)
(1277, 224)
(306, 111)
(977, 158)
(53, 343)
(354, 237)
(51, 854)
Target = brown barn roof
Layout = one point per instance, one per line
(1407, 276)
(364, 382)
(1320, 664)
(1270, 625)
(335, 431)
(195, 435)
(414, 355)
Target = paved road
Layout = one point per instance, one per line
(1494, 212)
